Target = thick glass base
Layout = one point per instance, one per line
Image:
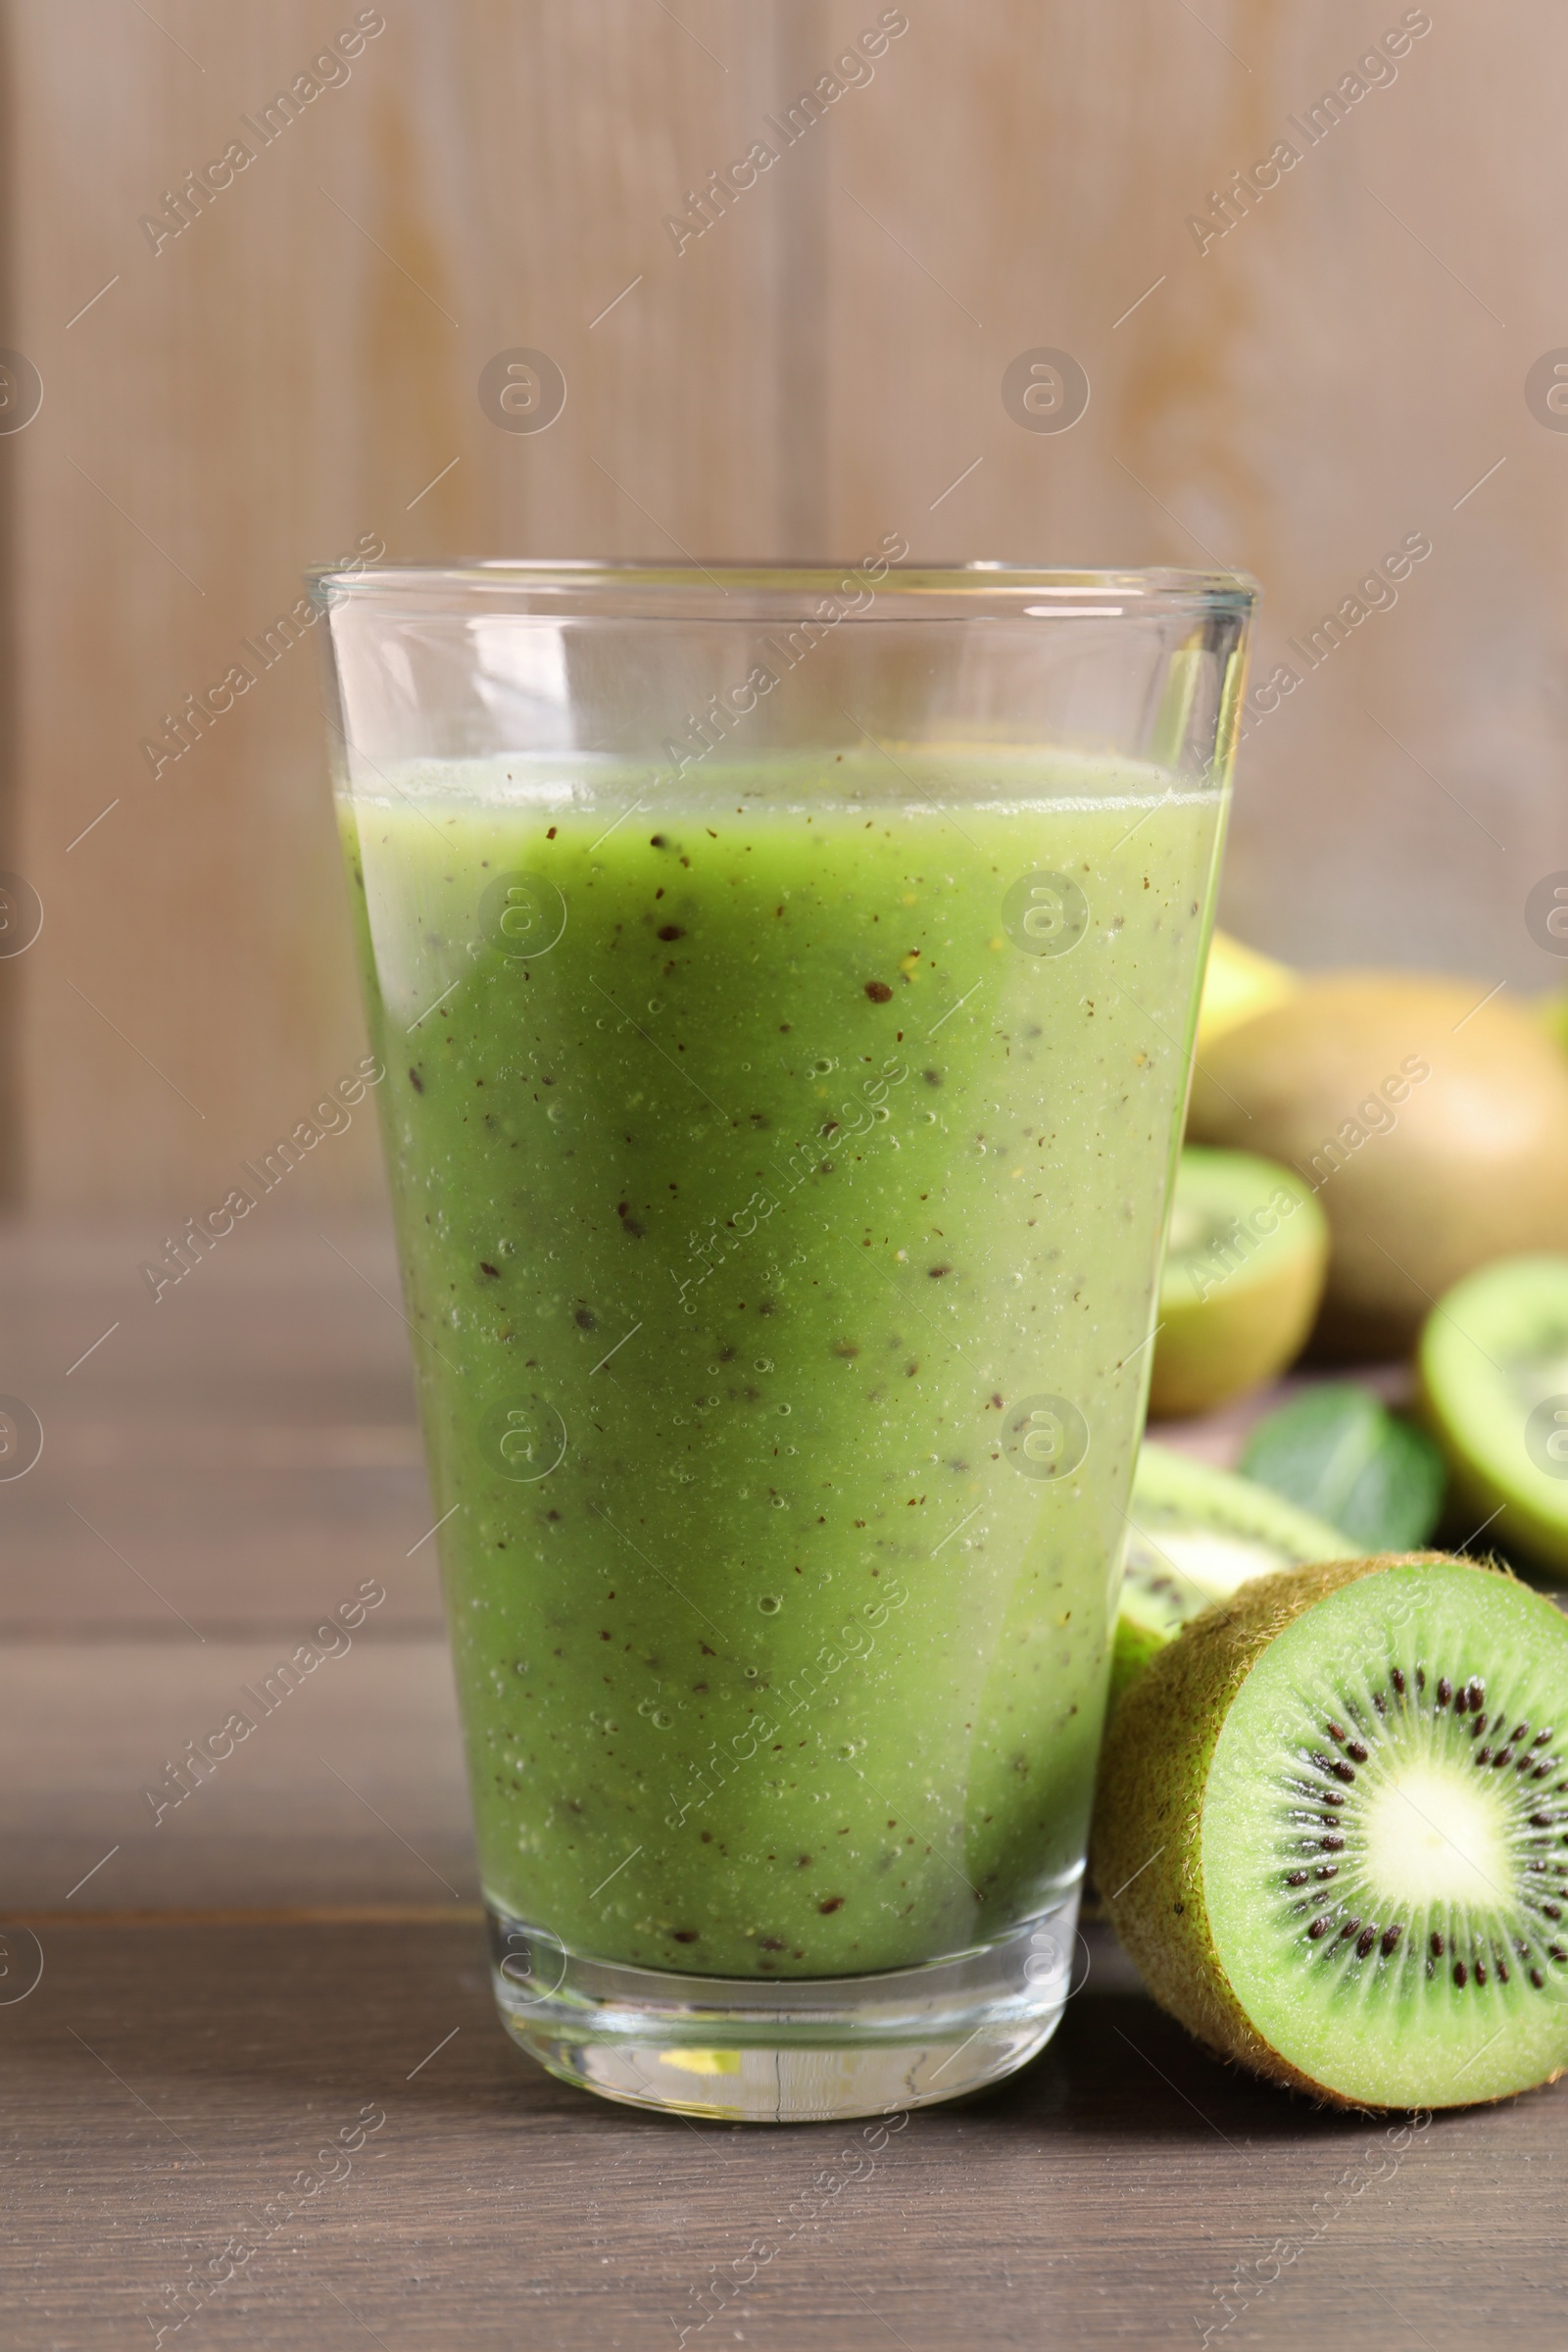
(800, 2050)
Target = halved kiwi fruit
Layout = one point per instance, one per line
(1194, 1536)
(1332, 1831)
(1494, 1364)
(1244, 1266)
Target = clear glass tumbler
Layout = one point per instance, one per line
(786, 982)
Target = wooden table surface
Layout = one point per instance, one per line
(189, 2012)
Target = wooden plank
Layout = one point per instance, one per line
(346, 1788)
(167, 2084)
(294, 371)
(1271, 401)
(225, 1987)
(10, 852)
(299, 368)
(232, 1456)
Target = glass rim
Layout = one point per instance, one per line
(548, 586)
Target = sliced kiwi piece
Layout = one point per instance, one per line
(1338, 1451)
(1332, 1831)
(1244, 1266)
(1194, 1536)
(1493, 1366)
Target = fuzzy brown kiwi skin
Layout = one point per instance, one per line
(1145, 1848)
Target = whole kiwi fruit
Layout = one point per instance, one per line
(1431, 1120)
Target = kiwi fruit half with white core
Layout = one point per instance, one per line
(1332, 1832)
(1194, 1534)
(1246, 1261)
(1493, 1366)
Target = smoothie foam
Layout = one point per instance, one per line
(774, 1172)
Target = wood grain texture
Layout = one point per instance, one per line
(221, 1472)
(1336, 370)
(168, 2085)
(226, 1475)
(1344, 367)
(10, 814)
(292, 370)
(225, 1462)
(348, 1788)
(168, 2077)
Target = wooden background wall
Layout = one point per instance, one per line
(298, 366)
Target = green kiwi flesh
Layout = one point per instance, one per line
(1493, 1366)
(1332, 1824)
(1194, 1536)
(1246, 1261)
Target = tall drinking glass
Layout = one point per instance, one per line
(786, 982)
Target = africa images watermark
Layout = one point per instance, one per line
(723, 714)
(1228, 206)
(706, 206)
(1375, 1116)
(790, 1171)
(1230, 1250)
(804, 2211)
(332, 1638)
(184, 206)
(199, 714)
(192, 2296)
(1250, 2281)
(1376, 592)
(859, 1640)
(200, 1236)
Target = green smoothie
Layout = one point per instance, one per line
(780, 1178)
